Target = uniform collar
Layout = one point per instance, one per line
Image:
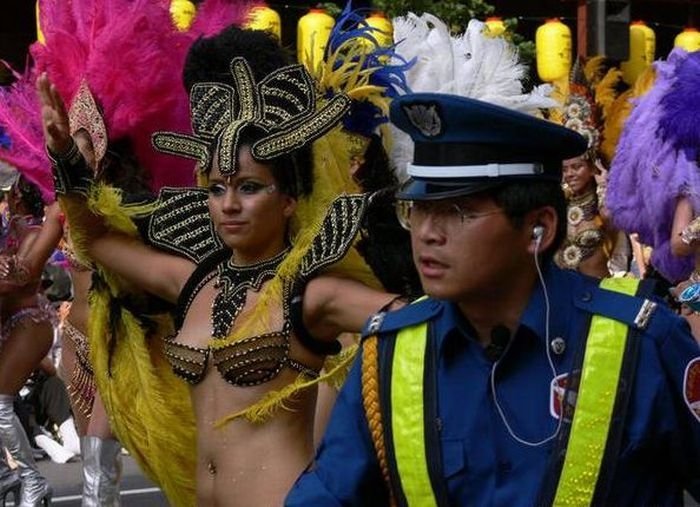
(560, 287)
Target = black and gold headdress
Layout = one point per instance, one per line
(284, 106)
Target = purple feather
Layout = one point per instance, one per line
(648, 175)
(679, 122)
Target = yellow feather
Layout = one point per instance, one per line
(593, 69)
(148, 407)
(605, 90)
(619, 111)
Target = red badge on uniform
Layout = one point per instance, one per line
(691, 387)
(558, 389)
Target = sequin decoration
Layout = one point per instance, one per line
(284, 105)
(233, 283)
(182, 225)
(85, 115)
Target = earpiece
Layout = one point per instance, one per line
(537, 232)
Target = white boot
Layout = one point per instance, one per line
(56, 451)
(35, 488)
(102, 469)
(69, 435)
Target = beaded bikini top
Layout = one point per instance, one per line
(181, 225)
(247, 362)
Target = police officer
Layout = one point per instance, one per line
(513, 382)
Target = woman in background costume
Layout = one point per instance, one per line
(26, 329)
(654, 177)
(590, 239)
(260, 264)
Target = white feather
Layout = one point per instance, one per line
(471, 65)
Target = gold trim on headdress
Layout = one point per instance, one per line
(580, 112)
(283, 106)
(84, 114)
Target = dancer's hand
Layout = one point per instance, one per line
(54, 117)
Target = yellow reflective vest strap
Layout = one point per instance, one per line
(600, 375)
(408, 415)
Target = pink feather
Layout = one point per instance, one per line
(20, 117)
(132, 57)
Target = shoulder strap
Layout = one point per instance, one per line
(399, 392)
(584, 463)
(199, 277)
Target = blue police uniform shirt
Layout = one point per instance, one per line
(482, 463)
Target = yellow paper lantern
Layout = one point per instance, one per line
(642, 51)
(688, 39)
(495, 26)
(383, 31)
(266, 19)
(39, 33)
(313, 32)
(182, 13)
(553, 50)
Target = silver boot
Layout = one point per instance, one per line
(102, 470)
(10, 483)
(35, 488)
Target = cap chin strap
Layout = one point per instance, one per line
(474, 171)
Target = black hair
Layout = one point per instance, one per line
(30, 197)
(293, 171)
(375, 172)
(383, 243)
(209, 58)
(120, 168)
(519, 198)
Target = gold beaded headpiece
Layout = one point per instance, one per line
(84, 114)
(283, 106)
(580, 112)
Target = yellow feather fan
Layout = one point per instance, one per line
(149, 408)
(619, 110)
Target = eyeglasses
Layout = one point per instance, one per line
(446, 213)
(242, 189)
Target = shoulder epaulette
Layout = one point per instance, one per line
(336, 234)
(634, 311)
(409, 315)
(181, 224)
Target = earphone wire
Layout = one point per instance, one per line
(499, 409)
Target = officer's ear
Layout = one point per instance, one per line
(542, 226)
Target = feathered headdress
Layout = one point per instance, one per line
(679, 121)
(649, 174)
(580, 111)
(471, 65)
(24, 145)
(130, 57)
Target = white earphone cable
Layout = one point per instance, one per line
(501, 413)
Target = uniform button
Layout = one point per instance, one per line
(586, 297)
(558, 345)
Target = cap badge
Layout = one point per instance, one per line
(425, 118)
